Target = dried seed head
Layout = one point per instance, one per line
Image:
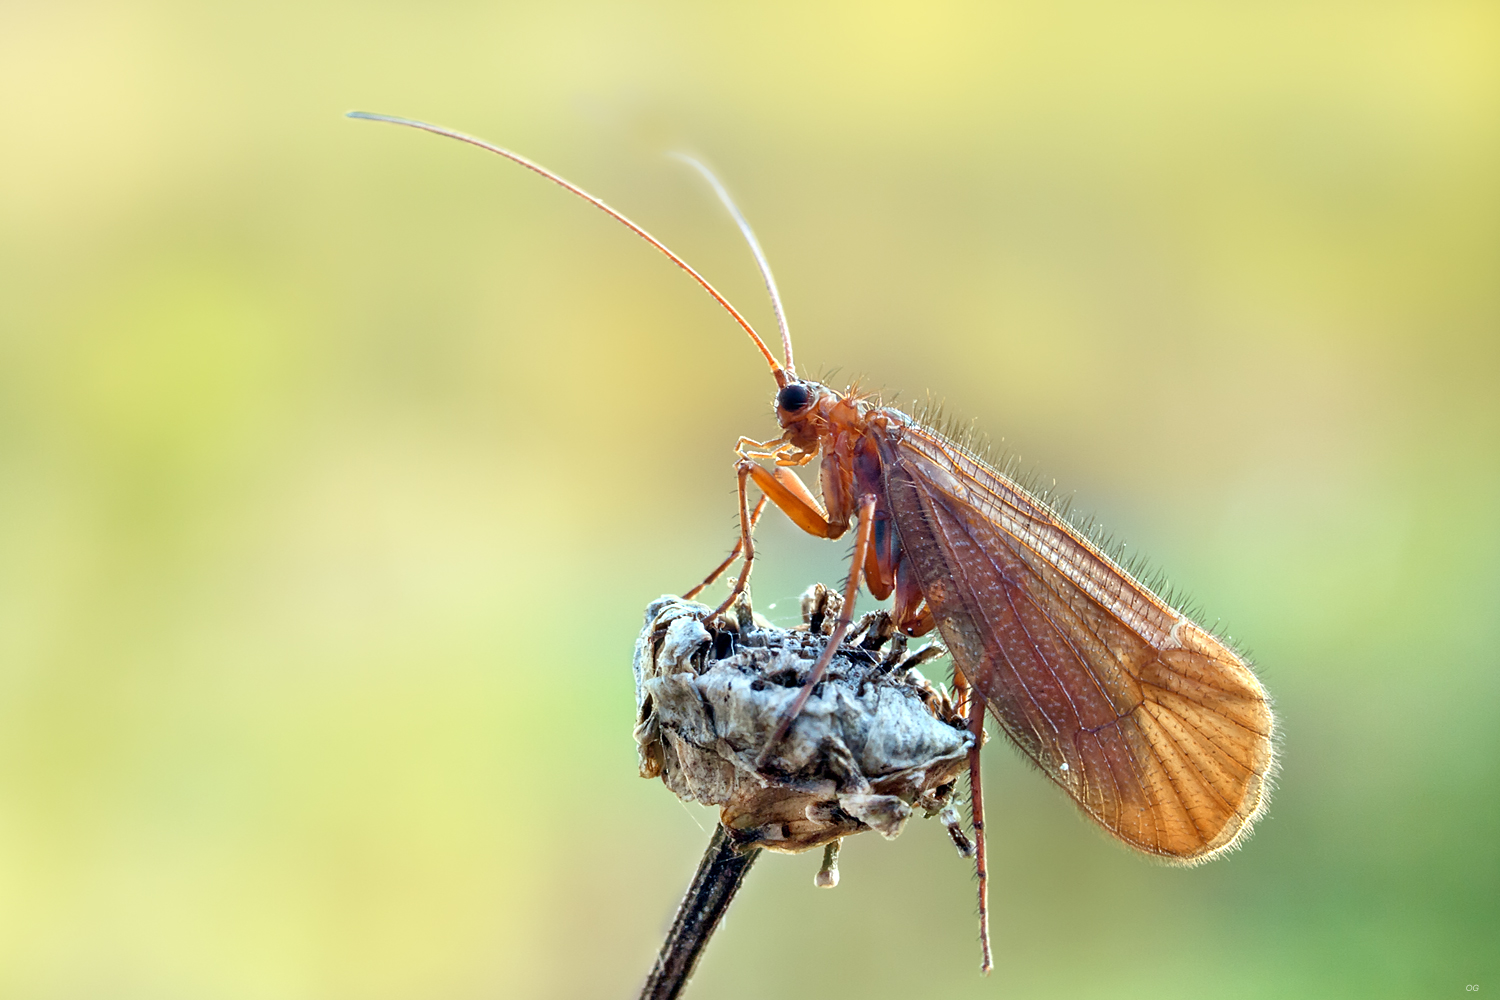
(875, 742)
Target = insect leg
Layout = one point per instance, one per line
(910, 611)
(960, 692)
(734, 554)
(795, 500)
(976, 800)
(748, 446)
(840, 629)
(782, 487)
(746, 545)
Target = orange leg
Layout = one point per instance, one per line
(960, 692)
(911, 613)
(795, 500)
(840, 629)
(747, 543)
(733, 555)
(782, 487)
(976, 799)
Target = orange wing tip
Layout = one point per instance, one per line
(1255, 803)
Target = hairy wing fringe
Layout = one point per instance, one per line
(967, 436)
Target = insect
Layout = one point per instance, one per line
(1156, 728)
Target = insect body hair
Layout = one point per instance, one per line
(965, 434)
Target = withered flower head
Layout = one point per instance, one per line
(875, 742)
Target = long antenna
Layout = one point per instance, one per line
(776, 369)
(760, 255)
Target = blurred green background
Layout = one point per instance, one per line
(338, 463)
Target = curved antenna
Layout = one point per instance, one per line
(760, 255)
(776, 369)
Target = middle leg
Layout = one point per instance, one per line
(739, 545)
(840, 629)
(782, 487)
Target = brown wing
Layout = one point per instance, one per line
(1159, 731)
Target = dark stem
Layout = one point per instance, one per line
(719, 876)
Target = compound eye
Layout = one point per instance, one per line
(793, 397)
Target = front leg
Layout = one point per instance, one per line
(796, 501)
(782, 487)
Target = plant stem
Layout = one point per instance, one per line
(718, 878)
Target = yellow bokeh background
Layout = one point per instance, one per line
(338, 463)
